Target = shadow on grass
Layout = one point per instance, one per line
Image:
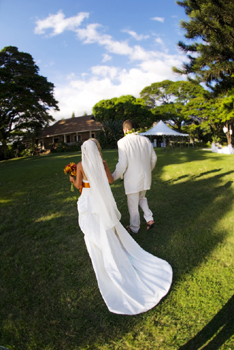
(209, 172)
(216, 332)
(186, 215)
(189, 176)
(185, 155)
(49, 294)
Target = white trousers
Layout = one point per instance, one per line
(134, 201)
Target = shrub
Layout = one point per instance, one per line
(64, 147)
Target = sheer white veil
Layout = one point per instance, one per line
(102, 196)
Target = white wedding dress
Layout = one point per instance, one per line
(130, 279)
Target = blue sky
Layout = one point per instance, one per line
(93, 50)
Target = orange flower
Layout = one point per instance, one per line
(67, 169)
(71, 170)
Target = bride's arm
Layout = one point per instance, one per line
(108, 173)
(79, 176)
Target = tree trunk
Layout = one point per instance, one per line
(229, 136)
(33, 144)
(4, 148)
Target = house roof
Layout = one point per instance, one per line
(162, 129)
(71, 125)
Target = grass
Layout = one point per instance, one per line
(49, 298)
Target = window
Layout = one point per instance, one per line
(93, 135)
(56, 139)
(74, 138)
(68, 138)
(79, 138)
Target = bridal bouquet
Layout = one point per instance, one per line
(71, 170)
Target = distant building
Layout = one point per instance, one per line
(69, 131)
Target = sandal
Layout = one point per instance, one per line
(150, 224)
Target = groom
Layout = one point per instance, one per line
(137, 159)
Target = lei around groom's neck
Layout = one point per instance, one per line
(128, 132)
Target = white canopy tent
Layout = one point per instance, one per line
(161, 129)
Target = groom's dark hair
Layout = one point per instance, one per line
(127, 124)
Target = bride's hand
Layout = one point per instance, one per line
(71, 179)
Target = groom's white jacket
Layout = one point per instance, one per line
(137, 159)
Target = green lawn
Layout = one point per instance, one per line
(49, 299)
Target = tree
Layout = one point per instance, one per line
(168, 99)
(112, 131)
(227, 116)
(171, 111)
(73, 115)
(212, 115)
(202, 113)
(157, 92)
(25, 96)
(211, 57)
(122, 108)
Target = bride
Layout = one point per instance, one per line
(130, 279)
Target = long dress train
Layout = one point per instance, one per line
(130, 279)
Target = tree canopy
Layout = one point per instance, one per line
(168, 99)
(122, 108)
(25, 96)
(211, 56)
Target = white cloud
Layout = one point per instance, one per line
(58, 23)
(159, 41)
(159, 19)
(70, 76)
(105, 71)
(106, 57)
(135, 35)
(117, 47)
(139, 53)
(90, 35)
(51, 63)
(162, 44)
(104, 82)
